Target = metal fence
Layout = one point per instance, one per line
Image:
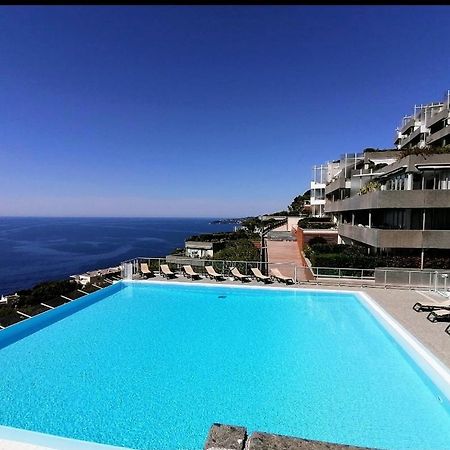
(132, 268)
(427, 279)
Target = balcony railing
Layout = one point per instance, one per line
(386, 238)
(420, 198)
(437, 117)
(438, 135)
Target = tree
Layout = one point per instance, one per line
(298, 204)
(240, 250)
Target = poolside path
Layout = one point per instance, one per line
(282, 246)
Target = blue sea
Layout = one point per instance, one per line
(36, 249)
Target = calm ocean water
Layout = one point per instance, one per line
(35, 249)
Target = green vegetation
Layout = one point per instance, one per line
(370, 186)
(373, 150)
(29, 301)
(218, 237)
(8, 315)
(177, 251)
(238, 250)
(297, 207)
(375, 167)
(336, 255)
(317, 241)
(427, 150)
(317, 223)
(253, 225)
(45, 291)
(237, 245)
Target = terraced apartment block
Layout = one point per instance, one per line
(393, 202)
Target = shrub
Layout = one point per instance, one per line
(317, 241)
(45, 291)
(8, 315)
(427, 150)
(320, 223)
(239, 250)
(370, 186)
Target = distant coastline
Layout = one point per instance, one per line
(37, 249)
(237, 221)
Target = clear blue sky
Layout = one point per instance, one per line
(201, 111)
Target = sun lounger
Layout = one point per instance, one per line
(259, 276)
(190, 272)
(238, 275)
(280, 277)
(213, 274)
(432, 306)
(146, 271)
(166, 272)
(440, 315)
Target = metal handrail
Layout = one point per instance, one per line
(223, 266)
(378, 277)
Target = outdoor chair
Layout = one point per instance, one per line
(166, 272)
(280, 277)
(441, 315)
(191, 273)
(146, 271)
(447, 330)
(238, 275)
(259, 276)
(432, 306)
(213, 274)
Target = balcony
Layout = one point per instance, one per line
(413, 136)
(437, 117)
(381, 238)
(392, 199)
(398, 137)
(317, 201)
(438, 135)
(339, 183)
(316, 185)
(409, 124)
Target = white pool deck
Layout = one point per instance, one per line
(397, 303)
(11, 445)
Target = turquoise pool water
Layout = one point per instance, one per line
(152, 366)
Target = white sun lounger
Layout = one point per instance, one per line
(145, 270)
(432, 305)
(166, 272)
(439, 315)
(280, 277)
(259, 276)
(213, 274)
(190, 272)
(238, 275)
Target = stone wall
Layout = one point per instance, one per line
(229, 437)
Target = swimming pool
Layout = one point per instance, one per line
(153, 365)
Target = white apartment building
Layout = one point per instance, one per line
(324, 174)
(429, 125)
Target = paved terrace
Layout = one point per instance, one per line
(282, 246)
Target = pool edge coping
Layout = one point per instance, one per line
(52, 441)
(429, 363)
